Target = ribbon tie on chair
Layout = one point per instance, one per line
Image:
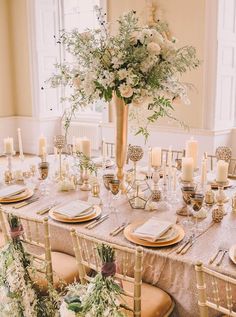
(108, 269)
(16, 232)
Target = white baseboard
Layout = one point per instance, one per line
(32, 128)
(165, 136)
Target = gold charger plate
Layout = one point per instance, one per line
(17, 198)
(97, 212)
(231, 253)
(128, 233)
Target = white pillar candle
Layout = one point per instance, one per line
(8, 146)
(192, 150)
(203, 172)
(42, 145)
(156, 157)
(187, 169)
(78, 147)
(86, 147)
(104, 149)
(20, 143)
(222, 171)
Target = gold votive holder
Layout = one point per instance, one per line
(234, 203)
(95, 190)
(209, 197)
(8, 177)
(43, 168)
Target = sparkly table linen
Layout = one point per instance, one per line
(162, 266)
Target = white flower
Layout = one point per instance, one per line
(153, 48)
(123, 73)
(126, 91)
(145, 35)
(157, 37)
(134, 38)
(116, 62)
(86, 35)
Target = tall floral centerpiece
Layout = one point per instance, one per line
(139, 69)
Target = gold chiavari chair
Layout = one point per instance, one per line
(140, 299)
(175, 154)
(216, 291)
(232, 168)
(110, 148)
(53, 268)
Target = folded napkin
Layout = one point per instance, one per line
(73, 209)
(152, 229)
(11, 191)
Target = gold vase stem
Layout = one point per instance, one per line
(60, 169)
(121, 135)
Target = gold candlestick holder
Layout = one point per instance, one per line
(59, 143)
(85, 186)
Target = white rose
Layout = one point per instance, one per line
(153, 48)
(122, 73)
(126, 91)
(145, 34)
(157, 37)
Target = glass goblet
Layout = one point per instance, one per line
(115, 189)
(197, 200)
(107, 178)
(187, 192)
(43, 168)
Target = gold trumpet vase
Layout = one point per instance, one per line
(121, 135)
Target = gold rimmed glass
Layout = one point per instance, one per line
(197, 200)
(107, 178)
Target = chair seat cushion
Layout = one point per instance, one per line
(65, 271)
(154, 301)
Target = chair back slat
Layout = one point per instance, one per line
(110, 148)
(38, 240)
(215, 290)
(85, 249)
(175, 155)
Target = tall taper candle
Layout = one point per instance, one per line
(42, 145)
(20, 143)
(86, 147)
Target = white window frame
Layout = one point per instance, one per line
(88, 116)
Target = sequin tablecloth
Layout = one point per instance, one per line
(162, 266)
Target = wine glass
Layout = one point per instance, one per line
(187, 192)
(107, 178)
(115, 189)
(43, 169)
(197, 200)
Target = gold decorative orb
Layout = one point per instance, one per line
(217, 214)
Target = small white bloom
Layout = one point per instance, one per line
(156, 37)
(126, 91)
(153, 48)
(145, 35)
(122, 73)
(134, 38)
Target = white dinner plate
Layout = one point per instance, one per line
(232, 252)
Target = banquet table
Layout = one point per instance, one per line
(162, 267)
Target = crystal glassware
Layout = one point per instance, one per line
(59, 143)
(135, 154)
(107, 178)
(187, 192)
(43, 169)
(115, 189)
(197, 200)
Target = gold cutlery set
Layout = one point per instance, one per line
(221, 252)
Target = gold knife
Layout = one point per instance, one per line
(97, 222)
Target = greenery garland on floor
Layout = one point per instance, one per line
(101, 297)
(19, 296)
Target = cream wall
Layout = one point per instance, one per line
(7, 107)
(15, 91)
(186, 19)
(20, 47)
